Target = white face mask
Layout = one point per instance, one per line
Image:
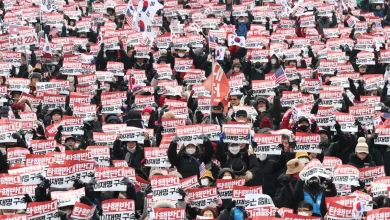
(181, 54)
(273, 61)
(146, 118)
(204, 182)
(294, 89)
(304, 160)
(106, 89)
(241, 121)
(227, 177)
(234, 149)
(3, 150)
(262, 157)
(303, 213)
(190, 150)
(262, 109)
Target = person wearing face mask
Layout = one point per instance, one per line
(343, 145)
(310, 190)
(241, 116)
(226, 154)
(207, 179)
(130, 151)
(303, 157)
(362, 157)
(190, 156)
(253, 175)
(107, 87)
(255, 71)
(235, 100)
(267, 112)
(284, 195)
(217, 115)
(324, 22)
(380, 10)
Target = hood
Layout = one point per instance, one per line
(222, 171)
(355, 160)
(261, 99)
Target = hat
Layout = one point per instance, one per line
(164, 204)
(112, 118)
(69, 138)
(239, 167)
(147, 109)
(35, 75)
(362, 65)
(220, 104)
(361, 146)
(208, 174)
(162, 59)
(168, 114)
(241, 113)
(4, 111)
(56, 111)
(16, 93)
(236, 65)
(303, 119)
(136, 88)
(323, 131)
(294, 166)
(157, 171)
(301, 154)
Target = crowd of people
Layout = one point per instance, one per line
(176, 109)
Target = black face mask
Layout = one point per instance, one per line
(303, 127)
(257, 66)
(314, 184)
(324, 18)
(324, 141)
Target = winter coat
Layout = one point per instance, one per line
(220, 120)
(344, 147)
(188, 165)
(355, 161)
(288, 181)
(326, 23)
(120, 152)
(272, 112)
(226, 158)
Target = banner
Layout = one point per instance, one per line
(165, 187)
(68, 198)
(82, 211)
(29, 175)
(268, 144)
(101, 154)
(225, 186)
(239, 193)
(202, 197)
(156, 157)
(191, 134)
(190, 182)
(259, 205)
(110, 178)
(11, 196)
(236, 133)
(306, 142)
(118, 209)
(43, 210)
(369, 174)
(346, 174)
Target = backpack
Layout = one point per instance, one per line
(238, 214)
(283, 196)
(242, 29)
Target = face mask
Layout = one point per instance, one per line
(303, 127)
(241, 20)
(181, 54)
(262, 109)
(304, 160)
(106, 89)
(257, 66)
(295, 89)
(146, 118)
(324, 141)
(303, 213)
(314, 184)
(3, 150)
(190, 150)
(241, 121)
(71, 79)
(76, 145)
(273, 61)
(262, 157)
(234, 149)
(227, 177)
(204, 182)
(324, 18)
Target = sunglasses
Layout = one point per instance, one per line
(217, 108)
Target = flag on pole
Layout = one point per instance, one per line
(212, 43)
(53, 31)
(220, 53)
(280, 76)
(202, 169)
(129, 13)
(46, 47)
(217, 83)
(234, 40)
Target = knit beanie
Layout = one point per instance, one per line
(361, 146)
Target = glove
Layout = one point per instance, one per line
(78, 184)
(175, 139)
(60, 128)
(181, 191)
(358, 123)
(102, 46)
(350, 80)
(155, 76)
(16, 136)
(221, 137)
(337, 126)
(26, 198)
(277, 93)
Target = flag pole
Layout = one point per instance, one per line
(212, 77)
